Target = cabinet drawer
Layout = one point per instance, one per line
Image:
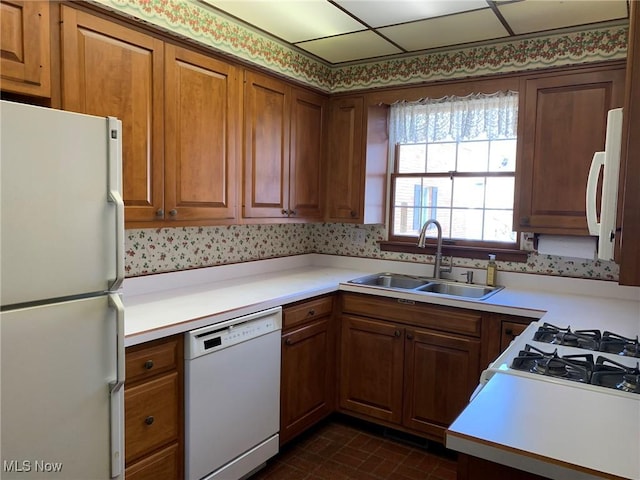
(151, 359)
(447, 319)
(163, 465)
(151, 415)
(307, 311)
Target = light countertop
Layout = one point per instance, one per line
(558, 430)
(166, 304)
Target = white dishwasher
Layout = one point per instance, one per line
(232, 396)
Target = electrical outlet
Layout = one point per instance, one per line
(358, 237)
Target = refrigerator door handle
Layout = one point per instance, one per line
(114, 196)
(117, 392)
(592, 184)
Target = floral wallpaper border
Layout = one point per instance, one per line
(151, 251)
(196, 22)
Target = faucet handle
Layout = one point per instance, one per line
(469, 275)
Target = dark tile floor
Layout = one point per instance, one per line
(344, 449)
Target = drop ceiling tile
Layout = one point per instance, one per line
(538, 15)
(443, 31)
(377, 13)
(348, 47)
(291, 20)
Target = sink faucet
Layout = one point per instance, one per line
(422, 240)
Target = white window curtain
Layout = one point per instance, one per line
(487, 116)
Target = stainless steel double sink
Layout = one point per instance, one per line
(401, 282)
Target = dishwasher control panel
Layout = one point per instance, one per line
(231, 332)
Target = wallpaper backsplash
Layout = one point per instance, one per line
(151, 251)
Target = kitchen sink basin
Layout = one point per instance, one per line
(459, 289)
(392, 280)
(397, 281)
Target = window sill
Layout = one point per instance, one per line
(482, 253)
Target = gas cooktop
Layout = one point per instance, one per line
(592, 359)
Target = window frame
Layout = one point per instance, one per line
(506, 251)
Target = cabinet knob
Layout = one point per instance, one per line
(524, 220)
(292, 212)
(173, 212)
(160, 213)
(148, 365)
(311, 313)
(149, 420)
(409, 336)
(353, 214)
(397, 333)
(284, 212)
(508, 331)
(288, 341)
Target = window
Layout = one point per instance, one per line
(455, 161)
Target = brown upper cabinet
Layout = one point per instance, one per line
(562, 122)
(356, 161)
(283, 129)
(188, 175)
(630, 161)
(26, 56)
(108, 69)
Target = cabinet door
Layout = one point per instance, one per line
(371, 358)
(266, 160)
(202, 108)
(563, 124)
(24, 38)
(630, 160)
(510, 330)
(162, 465)
(345, 161)
(307, 141)
(111, 70)
(307, 383)
(441, 371)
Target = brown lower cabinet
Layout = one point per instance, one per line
(308, 365)
(409, 366)
(154, 410)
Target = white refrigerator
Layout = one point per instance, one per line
(61, 316)
(609, 163)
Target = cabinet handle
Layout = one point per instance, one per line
(148, 365)
(160, 213)
(409, 336)
(353, 214)
(292, 212)
(311, 313)
(508, 331)
(285, 212)
(173, 212)
(149, 420)
(397, 333)
(288, 341)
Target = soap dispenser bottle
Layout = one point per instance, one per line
(491, 271)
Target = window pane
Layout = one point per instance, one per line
(466, 224)
(441, 157)
(443, 215)
(403, 223)
(500, 192)
(405, 190)
(468, 192)
(498, 226)
(472, 156)
(412, 158)
(502, 156)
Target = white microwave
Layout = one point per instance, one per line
(609, 162)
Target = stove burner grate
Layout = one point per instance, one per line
(587, 339)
